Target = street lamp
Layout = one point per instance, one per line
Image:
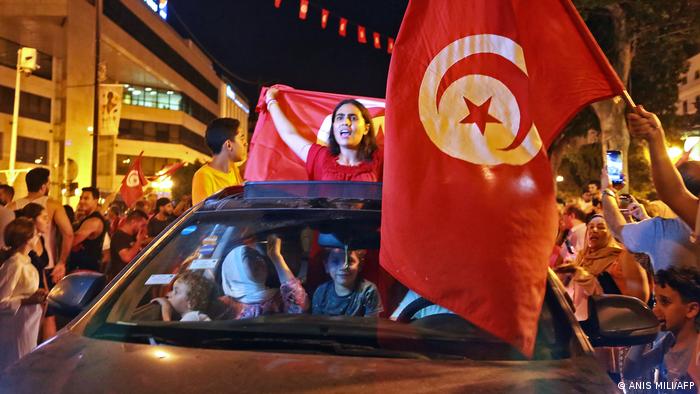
(26, 64)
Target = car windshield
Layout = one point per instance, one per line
(295, 280)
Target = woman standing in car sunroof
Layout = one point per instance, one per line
(352, 153)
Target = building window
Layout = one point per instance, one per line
(685, 107)
(162, 132)
(8, 58)
(30, 105)
(135, 27)
(31, 150)
(697, 74)
(697, 103)
(144, 96)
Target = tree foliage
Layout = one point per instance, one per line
(647, 42)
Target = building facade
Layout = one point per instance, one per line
(169, 90)
(689, 89)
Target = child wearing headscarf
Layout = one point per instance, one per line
(243, 276)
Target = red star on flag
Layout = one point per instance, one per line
(479, 114)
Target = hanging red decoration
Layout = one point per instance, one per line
(377, 40)
(303, 9)
(343, 27)
(324, 18)
(361, 35)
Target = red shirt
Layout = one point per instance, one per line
(321, 165)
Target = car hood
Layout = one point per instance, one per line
(75, 364)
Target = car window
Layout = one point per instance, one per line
(216, 281)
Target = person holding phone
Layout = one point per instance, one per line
(665, 241)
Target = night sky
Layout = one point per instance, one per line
(263, 45)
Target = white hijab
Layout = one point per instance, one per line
(237, 279)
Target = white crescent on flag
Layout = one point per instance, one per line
(133, 179)
(449, 114)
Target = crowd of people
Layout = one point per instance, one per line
(609, 243)
(613, 243)
(43, 241)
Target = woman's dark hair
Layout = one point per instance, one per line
(31, 211)
(17, 233)
(592, 216)
(368, 144)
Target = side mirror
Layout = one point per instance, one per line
(617, 320)
(74, 292)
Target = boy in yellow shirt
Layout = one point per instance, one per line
(229, 144)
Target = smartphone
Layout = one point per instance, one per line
(614, 162)
(625, 200)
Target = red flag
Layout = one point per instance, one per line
(270, 158)
(476, 92)
(133, 182)
(324, 18)
(343, 27)
(361, 35)
(377, 40)
(303, 8)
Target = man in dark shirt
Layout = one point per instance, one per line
(127, 241)
(163, 217)
(86, 252)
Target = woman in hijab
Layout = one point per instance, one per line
(243, 276)
(604, 267)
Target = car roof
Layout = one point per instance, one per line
(297, 194)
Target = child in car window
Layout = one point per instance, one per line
(346, 294)
(190, 295)
(243, 276)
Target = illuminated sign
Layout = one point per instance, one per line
(160, 7)
(232, 95)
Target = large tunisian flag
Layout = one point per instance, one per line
(270, 158)
(477, 90)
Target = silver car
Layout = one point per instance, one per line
(119, 342)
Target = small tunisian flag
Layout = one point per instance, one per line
(476, 92)
(310, 112)
(133, 182)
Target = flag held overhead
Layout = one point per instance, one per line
(271, 159)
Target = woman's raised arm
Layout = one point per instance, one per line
(286, 129)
